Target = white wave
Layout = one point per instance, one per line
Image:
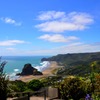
(44, 65)
(12, 76)
(16, 70)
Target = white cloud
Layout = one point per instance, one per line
(10, 21)
(77, 48)
(59, 26)
(71, 48)
(50, 15)
(11, 49)
(11, 42)
(80, 18)
(60, 21)
(57, 38)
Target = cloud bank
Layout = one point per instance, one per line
(57, 38)
(58, 22)
(70, 48)
(11, 42)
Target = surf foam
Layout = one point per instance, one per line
(44, 65)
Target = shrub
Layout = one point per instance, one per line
(73, 88)
(97, 86)
(35, 85)
(51, 80)
(18, 86)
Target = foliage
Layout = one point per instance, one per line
(51, 80)
(97, 86)
(3, 87)
(35, 85)
(18, 86)
(70, 59)
(76, 63)
(3, 81)
(80, 70)
(2, 64)
(74, 88)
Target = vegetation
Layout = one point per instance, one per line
(51, 80)
(80, 70)
(71, 87)
(74, 88)
(3, 82)
(74, 59)
(18, 86)
(76, 64)
(3, 87)
(35, 85)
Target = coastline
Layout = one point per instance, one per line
(47, 72)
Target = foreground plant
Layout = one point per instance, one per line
(3, 81)
(74, 88)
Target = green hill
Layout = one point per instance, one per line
(76, 63)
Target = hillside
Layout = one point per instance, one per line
(76, 63)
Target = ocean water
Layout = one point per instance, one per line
(16, 63)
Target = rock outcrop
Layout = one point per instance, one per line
(29, 70)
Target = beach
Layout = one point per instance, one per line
(47, 72)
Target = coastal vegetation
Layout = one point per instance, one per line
(70, 87)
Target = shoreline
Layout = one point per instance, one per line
(47, 72)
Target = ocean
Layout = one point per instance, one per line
(16, 63)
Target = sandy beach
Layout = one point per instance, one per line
(47, 72)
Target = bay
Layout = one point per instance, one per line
(16, 63)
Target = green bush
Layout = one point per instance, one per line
(18, 86)
(35, 85)
(51, 80)
(74, 88)
(97, 87)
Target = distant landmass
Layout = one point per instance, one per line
(76, 63)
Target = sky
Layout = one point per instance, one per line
(49, 27)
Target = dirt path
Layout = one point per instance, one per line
(38, 98)
(33, 98)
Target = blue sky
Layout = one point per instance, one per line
(49, 27)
